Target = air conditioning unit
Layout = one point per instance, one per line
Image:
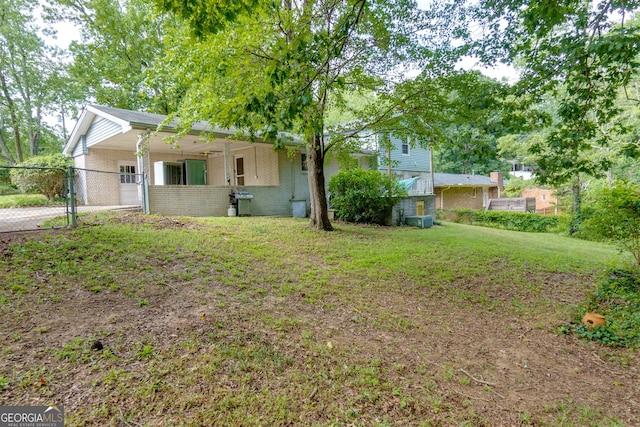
(422, 221)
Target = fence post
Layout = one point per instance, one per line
(72, 197)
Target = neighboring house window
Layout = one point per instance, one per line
(544, 197)
(405, 148)
(303, 161)
(475, 192)
(127, 174)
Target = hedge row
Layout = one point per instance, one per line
(508, 220)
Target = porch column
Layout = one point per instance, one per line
(228, 163)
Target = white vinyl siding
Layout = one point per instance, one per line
(81, 147)
(414, 159)
(100, 130)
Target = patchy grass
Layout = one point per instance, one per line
(146, 320)
(23, 200)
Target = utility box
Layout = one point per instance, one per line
(299, 208)
(422, 221)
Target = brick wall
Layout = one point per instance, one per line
(274, 184)
(214, 200)
(260, 165)
(408, 207)
(94, 188)
(215, 170)
(545, 199)
(190, 200)
(459, 198)
(104, 189)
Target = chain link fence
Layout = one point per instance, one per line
(45, 198)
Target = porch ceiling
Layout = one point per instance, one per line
(158, 143)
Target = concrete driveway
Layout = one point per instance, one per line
(32, 218)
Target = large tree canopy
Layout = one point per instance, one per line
(120, 42)
(479, 110)
(268, 67)
(579, 52)
(32, 83)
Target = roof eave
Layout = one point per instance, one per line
(74, 137)
(465, 185)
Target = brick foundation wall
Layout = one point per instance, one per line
(408, 207)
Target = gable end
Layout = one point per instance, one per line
(102, 129)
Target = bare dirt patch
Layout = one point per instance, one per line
(401, 356)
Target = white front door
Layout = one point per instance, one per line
(128, 183)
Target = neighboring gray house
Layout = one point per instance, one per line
(404, 162)
(412, 166)
(194, 176)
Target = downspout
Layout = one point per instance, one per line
(228, 164)
(431, 168)
(255, 162)
(292, 165)
(442, 197)
(142, 150)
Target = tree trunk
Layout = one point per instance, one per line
(577, 196)
(4, 148)
(319, 217)
(575, 205)
(35, 143)
(34, 132)
(14, 118)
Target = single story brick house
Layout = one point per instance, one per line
(455, 191)
(193, 176)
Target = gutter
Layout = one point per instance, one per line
(442, 197)
(172, 129)
(141, 152)
(290, 139)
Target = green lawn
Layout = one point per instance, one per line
(23, 200)
(145, 320)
